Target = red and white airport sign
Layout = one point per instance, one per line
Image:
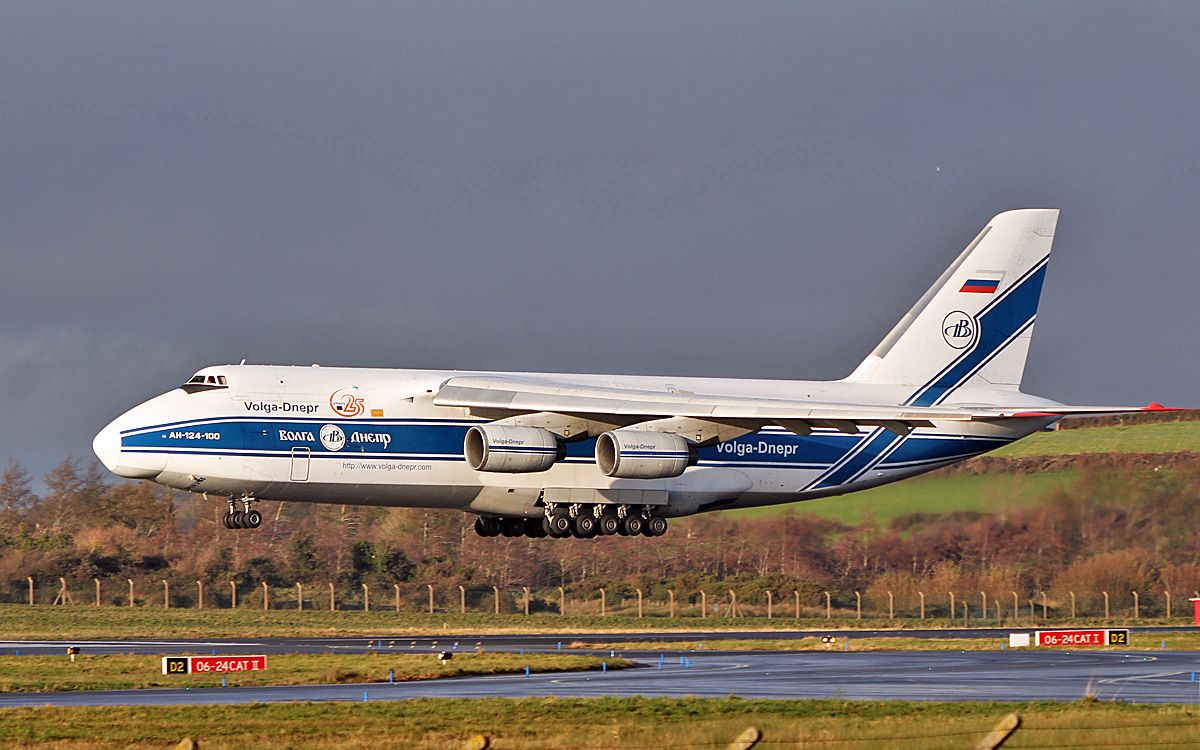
(1077, 638)
(212, 664)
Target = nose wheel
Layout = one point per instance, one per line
(246, 518)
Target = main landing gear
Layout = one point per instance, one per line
(247, 518)
(580, 521)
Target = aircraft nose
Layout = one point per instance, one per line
(131, 465)
(107, 447)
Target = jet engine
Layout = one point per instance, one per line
(511, 450)
(640, 454)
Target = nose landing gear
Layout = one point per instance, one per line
(247, 518)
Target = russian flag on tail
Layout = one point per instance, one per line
(983, 282)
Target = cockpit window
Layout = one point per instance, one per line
(201, 382)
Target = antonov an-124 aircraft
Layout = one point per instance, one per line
(584, 455)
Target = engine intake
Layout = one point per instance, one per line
(511, 450)
(639, 454)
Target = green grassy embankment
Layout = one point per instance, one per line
(609, 723)
(124, 671)
(996, 490)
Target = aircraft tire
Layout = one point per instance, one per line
(253, 519)
(227, 520)
(585, 526)
(237, 520)
(633, 525)
(610, 523)
(656, 526)
(560, 524)
(512, 527)
(534, 529)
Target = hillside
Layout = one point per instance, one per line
(1008, 478)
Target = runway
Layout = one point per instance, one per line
(1009, 675)
(1148, 677)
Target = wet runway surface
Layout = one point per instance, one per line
(999, 675)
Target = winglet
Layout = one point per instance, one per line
(1155, 406)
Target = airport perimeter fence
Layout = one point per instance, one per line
(716, 602)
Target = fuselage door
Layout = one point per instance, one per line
(300, 460)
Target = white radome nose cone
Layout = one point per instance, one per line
(131, 465)
(107, 447)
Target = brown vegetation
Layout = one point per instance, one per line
(1124, 525)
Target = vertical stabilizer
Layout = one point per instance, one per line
(974, 325)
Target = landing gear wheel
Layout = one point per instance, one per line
(656, 526)
(227, 520)
(533, 528)
(253, 519)
(487, 526)
(633, 525)
(585, 526)
(512, 527)
(610, 523)
(237, 520)
(559, 524)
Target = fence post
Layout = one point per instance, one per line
(396, 589)
(639, 593)
(1045, 610)
(429, 586)
(232, 595)
(671, 598)
(858, 605)
(1072, 593)
(953, 611)
(496, 598)
(199, 594)
(768, 604)
(828, 606)
(366, 598)
(525, 590)
(299, 596)
(130, 580)
(266, 596)
(703, 605)
(1105, 604)
(732, 603)
(1135, 605)
(97, 582)
(966, 612)
(166, 594)
(1016, 607)
(983, 594)
(63, 594)
(562, 601)
(891, 606)
(1165, 592)
(921, 596)
(603, 603)
(30, 579)
(462, 600)
(332, 599)
(797, 593)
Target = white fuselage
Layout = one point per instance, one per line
(374, 437)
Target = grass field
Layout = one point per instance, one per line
(1165, 437)
(994, 491)
(123, 671)
(608, 723)
(937, 493)
(79, 623)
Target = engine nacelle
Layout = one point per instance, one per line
(639, 454)
(511, 450)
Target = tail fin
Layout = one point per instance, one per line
(974, 325)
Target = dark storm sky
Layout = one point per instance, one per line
(726, 189)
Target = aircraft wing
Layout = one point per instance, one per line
(505, 397)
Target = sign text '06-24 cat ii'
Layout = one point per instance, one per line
(584, 455)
